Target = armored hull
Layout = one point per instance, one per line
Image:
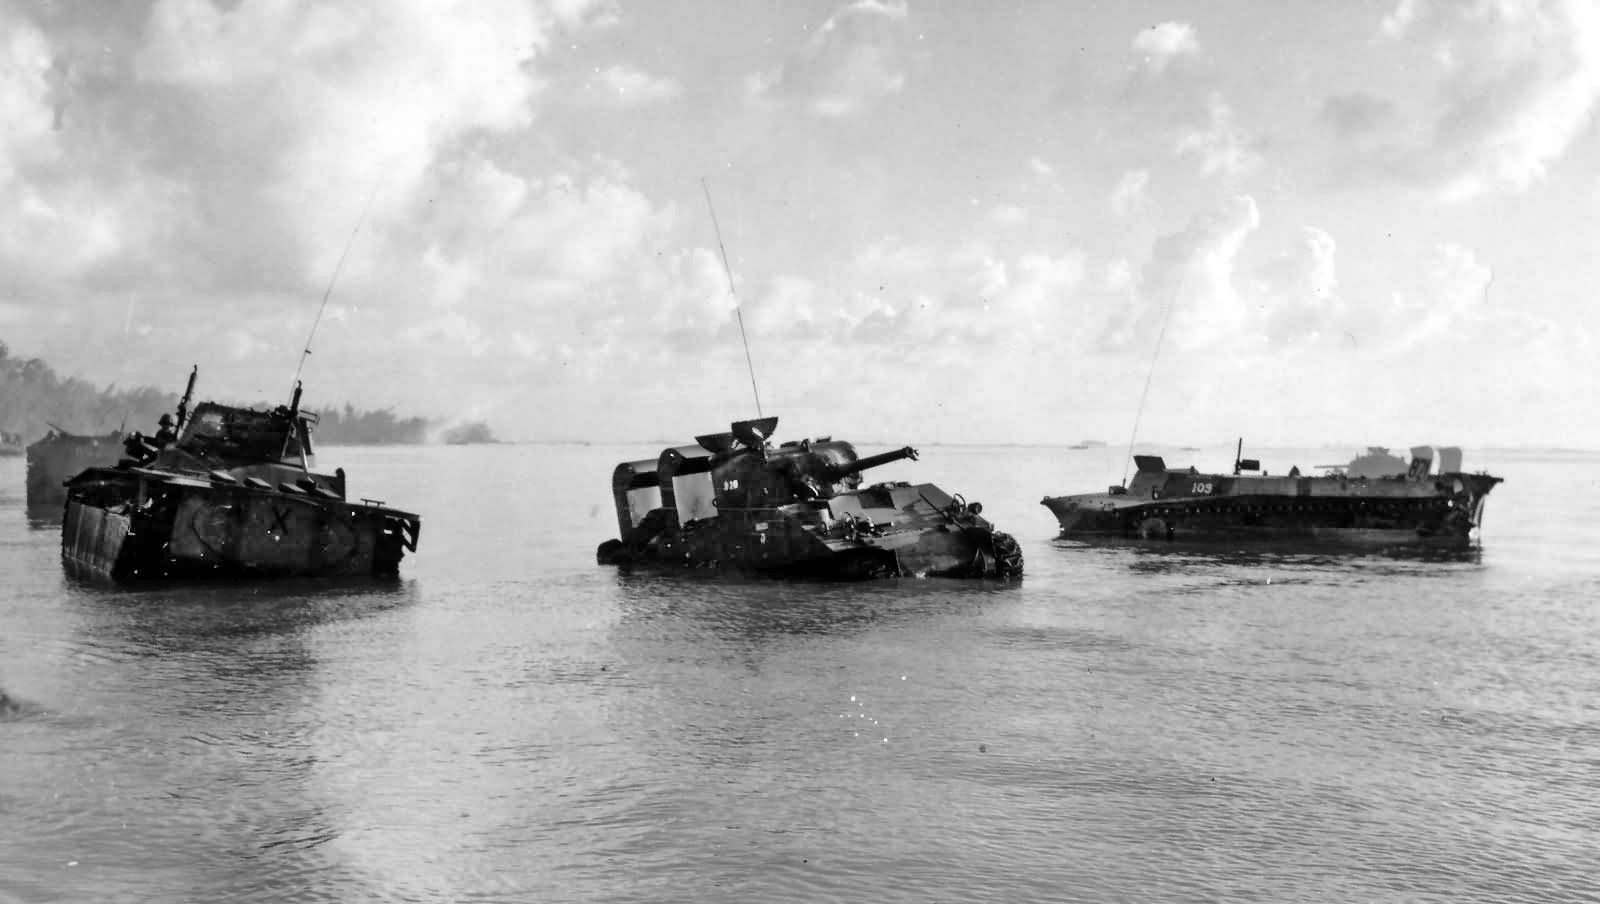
(1417, 506)
(60, 455)
(231, 495)
(133, 522)
(734, 502)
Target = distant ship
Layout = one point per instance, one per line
(1375, 500)
(1088, 444)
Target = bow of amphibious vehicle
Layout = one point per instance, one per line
(734, 501)
(230, 492)
(1404, 505)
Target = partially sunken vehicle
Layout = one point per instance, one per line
(60, 454)
(228, 491)
(734, 501)
(1375, 500)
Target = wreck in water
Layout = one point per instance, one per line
(1376, 500)
(734, 501)
(229, 492)
(59, 455)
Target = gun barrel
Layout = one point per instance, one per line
(872, 461)
(188, 396)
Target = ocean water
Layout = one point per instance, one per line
(510, 722)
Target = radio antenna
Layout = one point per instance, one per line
(738, 307)
(1166, 315)
(337, 268)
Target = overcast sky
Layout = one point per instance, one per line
(947, 221)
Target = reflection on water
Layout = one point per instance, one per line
(186, 763)
(44, 517)
(1178, 557)
(758, 607)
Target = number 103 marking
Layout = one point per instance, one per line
(1200, 489)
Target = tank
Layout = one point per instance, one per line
(227, 491)
(59, 455)
(735, 501)
(1376, 500)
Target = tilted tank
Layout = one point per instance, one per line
(732, 500)
(227, 491)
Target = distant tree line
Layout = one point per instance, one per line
(33, 399)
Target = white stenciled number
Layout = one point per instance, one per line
(730, 484)
(1200, 489)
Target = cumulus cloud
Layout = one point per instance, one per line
(854, 59)
(1516, 82)
(1298, 290)
(1008, 215)
(27, 105)
(1132, 193)
(1449, 300)
(1220, 147)
(1192, 273)
(218, 157)
(1356, 113)
(629, 87)
(326, 101)
(1160, 45)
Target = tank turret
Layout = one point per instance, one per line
(734, 499)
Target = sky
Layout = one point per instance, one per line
(1294, 221)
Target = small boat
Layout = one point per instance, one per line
(60, 454)
(734, 501)
(227, 492)
(1368, 502)
(10, 443)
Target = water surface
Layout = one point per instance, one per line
(510, 722)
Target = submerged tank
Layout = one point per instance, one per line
(227, 491)
(733, 500)
(1376, 500)
(60, 454)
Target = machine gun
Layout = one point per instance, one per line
(183, 403)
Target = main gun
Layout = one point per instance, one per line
(837, 473)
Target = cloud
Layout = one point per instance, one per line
(1450, 300)
(1515, 83)
(1132, 193)
(1356, 114)
(1160, 45)
(212, 161)
(854, 59)
(1192, 272)
(1221, 148)
(626, 86)
(1297, 291)
(27, 102)
(326, 101)
(1008, 215)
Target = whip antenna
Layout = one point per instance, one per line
(738, 308)
(337, 268)
(1166, 315)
